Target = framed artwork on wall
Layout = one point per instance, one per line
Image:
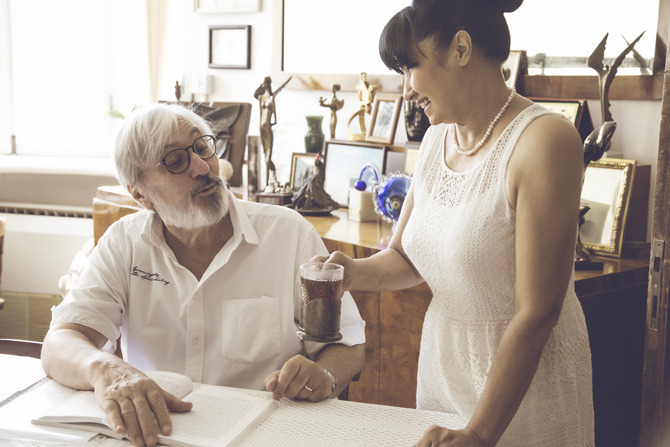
(345, 161)
(607, 188)
(302, 166)
(225, 6)
(230, 46)
(385, 113)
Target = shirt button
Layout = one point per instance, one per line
(194, 341)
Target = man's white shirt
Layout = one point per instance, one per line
(233, 327)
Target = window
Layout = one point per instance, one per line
(558, 40)
(66, 64)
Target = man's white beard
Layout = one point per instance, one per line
(200, 211)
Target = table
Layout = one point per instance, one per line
(329, 423)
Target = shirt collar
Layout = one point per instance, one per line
(240, 219)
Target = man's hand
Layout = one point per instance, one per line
(300, 378)
(135, 404)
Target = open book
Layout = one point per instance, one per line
(220, 416)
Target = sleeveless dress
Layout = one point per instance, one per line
(460, 237)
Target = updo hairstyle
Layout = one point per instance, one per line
(442, 19)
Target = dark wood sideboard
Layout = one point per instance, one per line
(613, 299)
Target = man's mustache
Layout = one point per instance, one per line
(206, 183)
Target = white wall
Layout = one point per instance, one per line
(636, 136)
(187, 52)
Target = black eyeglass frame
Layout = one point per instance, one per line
(188, 154)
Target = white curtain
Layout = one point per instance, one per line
(156, 24)
(6, 117)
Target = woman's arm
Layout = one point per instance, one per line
(543, 185)
(389, 269)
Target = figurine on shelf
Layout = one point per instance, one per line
(334, 105)
(177, 90)
(311, 198)
(366, 96)
(266, 102)
(600, 140)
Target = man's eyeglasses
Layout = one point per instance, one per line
(178, 160)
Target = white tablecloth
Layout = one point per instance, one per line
(329, 423)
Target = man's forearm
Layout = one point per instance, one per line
(70, 357)
(343, 361)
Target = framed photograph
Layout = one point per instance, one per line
(385, 113)
(575, 110)
(514, 66)
(225, 6)
(411, 154)
(343, 165)
(230, 46)
(302, 166)
(606, 191)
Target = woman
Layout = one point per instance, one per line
(490, 223)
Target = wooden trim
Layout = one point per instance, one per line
(643, 87)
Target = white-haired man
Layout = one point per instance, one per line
(200, 283)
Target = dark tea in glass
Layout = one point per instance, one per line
(320, 302)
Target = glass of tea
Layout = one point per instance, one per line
(320, 302)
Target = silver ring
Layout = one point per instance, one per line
(308, 389)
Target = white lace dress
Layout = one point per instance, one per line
(461, 239)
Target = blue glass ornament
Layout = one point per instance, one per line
(368, 178)
(390, 195)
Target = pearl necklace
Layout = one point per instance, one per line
(486, 136)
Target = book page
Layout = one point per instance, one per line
(219, 417)
(174, 383)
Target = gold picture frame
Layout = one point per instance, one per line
(385, 114)
(606, 191)
(302, 166)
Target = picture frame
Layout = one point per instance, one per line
(225, 6)
(302, 166)
(575, 110)
(514, 66)
(230, 46)
(343, 165)
(385, 114)
(411, 154)
(607, 188)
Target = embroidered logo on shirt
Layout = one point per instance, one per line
(149, 276)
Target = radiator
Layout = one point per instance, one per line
(26, 316)
(40, 244)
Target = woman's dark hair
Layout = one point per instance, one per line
(442, 19)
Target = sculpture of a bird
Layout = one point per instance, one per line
(606, 73)
(599, 141)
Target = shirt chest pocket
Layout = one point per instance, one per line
(252, 329)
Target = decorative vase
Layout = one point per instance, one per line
(314, 138)
(416, 121)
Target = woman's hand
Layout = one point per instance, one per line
(337, 257)
(439, 436)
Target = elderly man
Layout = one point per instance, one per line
(200, 283)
